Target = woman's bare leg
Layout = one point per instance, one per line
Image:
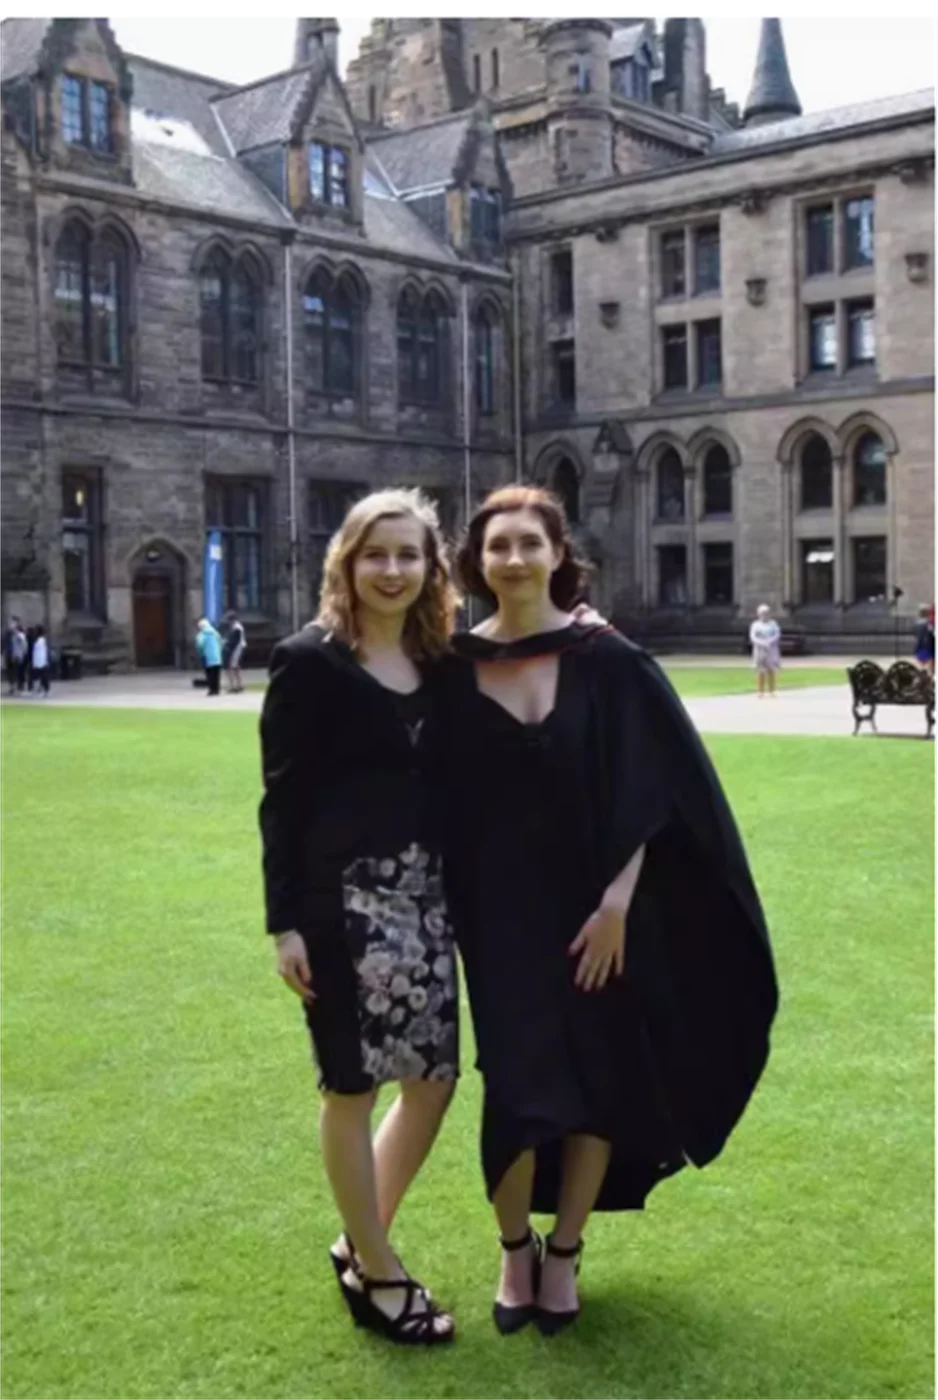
(585, 1159)
(402, 1142)
(349, 1158)
(345, 1138)
(512, 1202)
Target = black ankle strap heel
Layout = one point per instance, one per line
(510, 1319)
(550, 1323)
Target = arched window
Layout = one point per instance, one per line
(817, 474)
(91, 277)
(869, 471)
(566, 485)
(717, 482)
(670, 481)
(230, 319)
(245, 324)
(333, 316)
(421, 349)
(486, 348)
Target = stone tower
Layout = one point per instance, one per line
(686, 85)
(579, 111)
(313, 34)
(772, 96)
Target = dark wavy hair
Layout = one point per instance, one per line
(568, 583)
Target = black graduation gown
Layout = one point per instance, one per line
(541, 818)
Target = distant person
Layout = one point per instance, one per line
(29, 678)
(233, 652)
(14, 655)
(925, 637)
(765, 637)
(40, 661)
(208, 645)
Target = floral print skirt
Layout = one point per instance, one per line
(387, 1000)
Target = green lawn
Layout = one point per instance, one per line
(725, 680)
(691, 681)
(165, 1218)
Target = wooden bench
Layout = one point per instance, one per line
(902, 684)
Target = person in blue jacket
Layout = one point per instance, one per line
(208, 645)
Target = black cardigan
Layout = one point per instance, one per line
(335, 754)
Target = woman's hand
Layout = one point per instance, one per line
(587, 616)
(293, 964)
(601, 945)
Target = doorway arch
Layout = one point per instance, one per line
(157, 588)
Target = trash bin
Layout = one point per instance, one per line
(70, 664)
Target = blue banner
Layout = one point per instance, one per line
(212, 575)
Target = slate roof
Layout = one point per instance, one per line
(171, 92)
(625, 42)
(265, 112)
(423, 156)
(20, 43)
(210, 182)
(390, 224)
(772, 89)
(822, 123)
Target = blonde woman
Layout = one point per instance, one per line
(765, 638)
(353, 881)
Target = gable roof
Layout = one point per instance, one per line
(907, 104)
(626, 42)
(423, 156)
(202, 181)
(161, 91)
(21, 42)
(266, 112)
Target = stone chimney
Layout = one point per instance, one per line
(313, 35)
(772, 96)
(685, 68)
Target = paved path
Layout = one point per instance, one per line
(817, 710)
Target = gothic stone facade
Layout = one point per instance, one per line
(501, 248)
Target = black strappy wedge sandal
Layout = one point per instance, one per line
(550, 1323)
(412, 1326)
(510, 1319)
(342, 1264)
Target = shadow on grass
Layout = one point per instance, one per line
(651, 1343)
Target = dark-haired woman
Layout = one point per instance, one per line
(581, 804)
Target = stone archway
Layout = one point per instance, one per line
(158, 613)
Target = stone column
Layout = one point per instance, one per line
(840, 532)
(642, 551)
(786, 476)
(690, 506)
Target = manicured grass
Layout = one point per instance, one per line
(165, 1217)
(692, 681)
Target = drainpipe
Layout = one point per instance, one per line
(516, 364)
(294, 545)
(466, 420)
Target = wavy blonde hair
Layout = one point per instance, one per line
(431, 619)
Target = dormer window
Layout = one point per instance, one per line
(86, 116)
(328, 175)
(485, 218)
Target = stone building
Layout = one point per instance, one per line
(501, 248)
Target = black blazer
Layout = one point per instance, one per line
(332, 748)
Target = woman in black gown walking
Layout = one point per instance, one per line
(353, 881)
(581, 801)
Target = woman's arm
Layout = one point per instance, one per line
(287, 722)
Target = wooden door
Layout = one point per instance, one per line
(153, 637)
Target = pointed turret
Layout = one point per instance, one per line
(772, 96)
(313, 34)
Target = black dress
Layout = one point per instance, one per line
(352, 861)
(541, 818)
